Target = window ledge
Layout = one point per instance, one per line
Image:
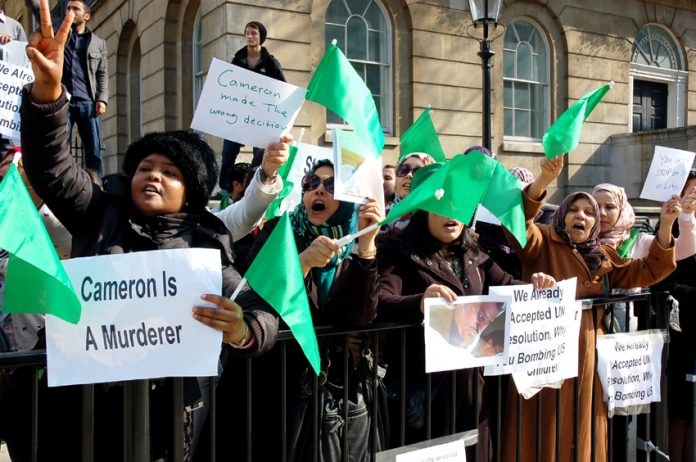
(533, 147)
(390, 142)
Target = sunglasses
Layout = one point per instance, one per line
(311, 182)
(405, 169)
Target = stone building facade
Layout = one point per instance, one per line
(419, 53)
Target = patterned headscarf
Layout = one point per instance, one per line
(622, 228)
(591, 249)
(523, 174)
(342, 223)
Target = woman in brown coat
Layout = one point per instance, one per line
(567, 248)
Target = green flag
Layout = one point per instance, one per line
(36, 281)
(285, 290)
(274, 208)
(337, 86)
(564, 135)
(503, 199)
(422, 137)
(454, 189)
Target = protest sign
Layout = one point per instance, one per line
(454, 451)
(15, 52)
(13, 77)
(243, 106)
(136, 318)
(357, 171)
(543, 339)
(468, 332)
(629, 366)
(668, 173)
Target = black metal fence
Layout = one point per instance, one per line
(649, 442)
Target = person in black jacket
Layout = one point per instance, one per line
(160, 203)
(255, 58)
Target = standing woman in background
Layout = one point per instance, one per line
(567, 248)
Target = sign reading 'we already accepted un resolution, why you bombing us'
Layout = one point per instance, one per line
(243, 106)
(136, 318)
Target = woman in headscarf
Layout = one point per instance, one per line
(567, 248)
(616, 220)
(160, 203)
(342, 287)
(405, 170)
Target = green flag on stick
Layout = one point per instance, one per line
(564, 135)
(337, 86)
(422, 137)
(36, 281)
(285, 290)
(455, 189)
(274, 207)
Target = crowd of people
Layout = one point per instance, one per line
(160, 201)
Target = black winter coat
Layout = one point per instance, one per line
(267, 64)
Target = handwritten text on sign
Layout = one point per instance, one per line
(544, 329)
(136, 318)
(243, 106)
(668, 173)
(12, 80)
(629, 366)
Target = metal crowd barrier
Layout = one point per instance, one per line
(651, 428)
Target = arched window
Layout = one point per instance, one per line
(658, 80)
(135, 98)
(526, 81)
(363, 33)
(197, 58)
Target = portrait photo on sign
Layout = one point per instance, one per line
(469, 332)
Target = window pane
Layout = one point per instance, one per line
(509, 63)
(524, 31)
(357, 45)
(337, 12)
(332, 118)
(375, 49)
(507, 94)
(374, 79)
(373, 16)
(522, 96)
(358, 6)
(508, 123)
(524, 62)
(510, 37)
(522, 123)
(540, 72)
(336, 32)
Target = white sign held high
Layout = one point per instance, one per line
(307, 155)
(136, 318)
(243, 106)
(13, 77)
(668, 173)
(629, 366)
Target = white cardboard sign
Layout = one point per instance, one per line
(13, 77)
(136, 318)
(629, 366)
(668, 173)
(454, 451)
(307, 155)
(357, 171)
(243, 106)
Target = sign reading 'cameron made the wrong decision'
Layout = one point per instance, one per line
(136, 318)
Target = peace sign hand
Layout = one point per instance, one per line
(45, 51)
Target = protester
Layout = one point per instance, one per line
(342, 290)
(435, 256)
(160, 204)
(682, 354)
(86, 79)
(240, 175)
(255, 58)
(389, 177)
(570, 248)
(405, 170)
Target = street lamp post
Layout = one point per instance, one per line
(484, 13)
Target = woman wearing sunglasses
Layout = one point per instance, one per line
(405, 170)
(342, 286)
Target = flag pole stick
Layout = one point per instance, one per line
(346, 239)
(239, 288)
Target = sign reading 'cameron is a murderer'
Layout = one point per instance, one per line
(136, 318)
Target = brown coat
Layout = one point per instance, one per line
(547, 251)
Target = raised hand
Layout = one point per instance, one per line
(550, 169)
(276, 155)
(45, 51)
(688, 201)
